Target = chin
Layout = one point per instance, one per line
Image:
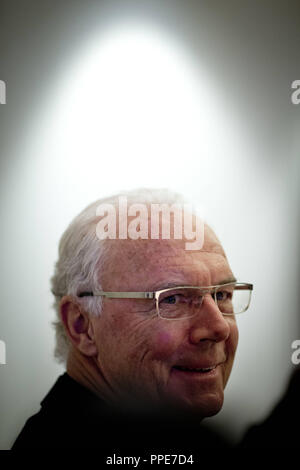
(205, 406)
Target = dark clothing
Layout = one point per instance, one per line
(73, 417)
(280, 429)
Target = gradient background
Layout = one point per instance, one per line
(111, 95)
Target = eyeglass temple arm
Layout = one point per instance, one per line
(120, 295)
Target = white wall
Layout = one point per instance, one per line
(208, 113)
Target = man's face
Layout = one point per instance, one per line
(141, 354)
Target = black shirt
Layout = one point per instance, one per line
(71, 416)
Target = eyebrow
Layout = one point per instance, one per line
(167, 285)
(227, 281)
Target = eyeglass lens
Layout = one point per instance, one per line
(185, 302)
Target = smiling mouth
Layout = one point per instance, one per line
(189, 369)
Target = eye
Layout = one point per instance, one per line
(223, 295)
(171, 299)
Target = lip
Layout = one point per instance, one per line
(193, 374)
(199, 365)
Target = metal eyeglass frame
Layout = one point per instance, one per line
(155, 294)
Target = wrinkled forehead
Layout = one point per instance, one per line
(147, 263)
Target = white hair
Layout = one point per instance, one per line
(81, 257)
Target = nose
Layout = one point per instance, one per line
(209, 323)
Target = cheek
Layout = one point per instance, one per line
(130, 339)
(165, 343)
(234, 336)
(231, 344)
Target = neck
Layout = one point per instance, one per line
(85, 370)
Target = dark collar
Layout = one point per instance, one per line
(66, 393)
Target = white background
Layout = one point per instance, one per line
(193, 96)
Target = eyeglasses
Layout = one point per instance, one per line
(180, 302)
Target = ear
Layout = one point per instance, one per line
(78, 326)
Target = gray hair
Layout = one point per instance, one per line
(82, 254)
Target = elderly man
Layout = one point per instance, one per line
(147, 329)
